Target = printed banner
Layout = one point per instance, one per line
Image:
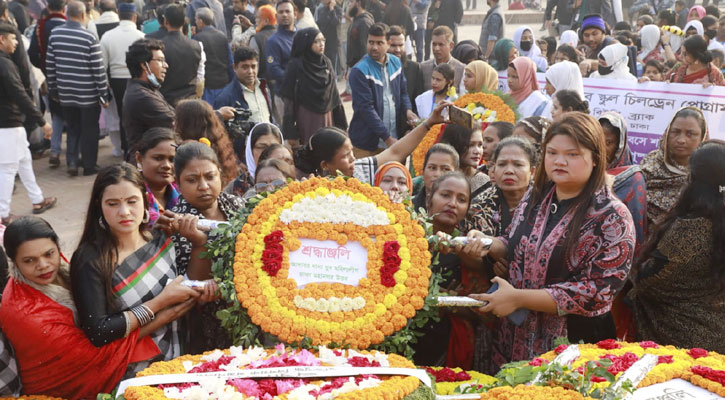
(649, 107)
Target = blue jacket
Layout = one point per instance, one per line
(366, 127)
(232, 93)
(278, 50)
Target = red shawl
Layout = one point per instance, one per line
(54, 355)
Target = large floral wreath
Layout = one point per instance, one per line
(385, 309)
(485, 108)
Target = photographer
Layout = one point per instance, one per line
(246, 91)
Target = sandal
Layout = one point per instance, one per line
(47, 203)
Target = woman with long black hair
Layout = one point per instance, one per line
(678, 297)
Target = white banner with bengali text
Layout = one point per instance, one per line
(649, 107)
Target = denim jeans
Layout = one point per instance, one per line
(56, 139)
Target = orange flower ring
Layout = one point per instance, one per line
(486, 100)
(276, 304)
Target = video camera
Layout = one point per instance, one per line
(240, 126)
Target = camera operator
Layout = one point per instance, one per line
(247, 91)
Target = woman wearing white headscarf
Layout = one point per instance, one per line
(569, 37)
(529, 48)
(614, 63)
(650, 37)
(697, 26)
(564, 75)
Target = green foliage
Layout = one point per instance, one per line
(553, 374)
(422, 393)
(236, 320)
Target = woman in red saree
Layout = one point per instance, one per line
(37, 316)
(696, 65)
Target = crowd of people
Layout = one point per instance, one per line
(209, 104)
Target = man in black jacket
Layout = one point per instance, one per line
(411, 69)
(328, 20)
(183, 56)
(357, 35)
(16, 107)
(218, 68)
(143, 105)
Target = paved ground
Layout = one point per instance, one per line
(68, 216)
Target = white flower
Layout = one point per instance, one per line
(334, 209)
(308, 304)
(334, 303)
(346, 304)
(358, 303)
(322, 305)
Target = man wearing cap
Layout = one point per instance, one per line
(114, 45)
(593, 33)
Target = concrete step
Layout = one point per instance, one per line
(530, 17)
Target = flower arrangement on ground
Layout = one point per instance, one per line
(698, 366)
(256, 359)
(485, 108)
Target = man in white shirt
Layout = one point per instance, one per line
(114, 45)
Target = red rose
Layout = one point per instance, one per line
(389, 269)
(391, 259)
(391, 247)
(271, 255)
(462, 376)
(387, 280)
(271, 267)
(665, 360)
(597, 379)
(445, 375)
(560, 348)
(274, 237)
(648, 344)
(609, 344)
(697, 352)
(537, 362)
(275, 247)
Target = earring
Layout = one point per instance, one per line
(101, 223)
(146, 217)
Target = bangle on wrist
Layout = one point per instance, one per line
(427, 126)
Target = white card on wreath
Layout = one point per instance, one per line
(673, 389)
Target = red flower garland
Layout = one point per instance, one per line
(272, 254)
(709, 373)
(391, 264)
(697, 352)
(609, 344)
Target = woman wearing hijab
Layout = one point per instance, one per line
(526, 43)
(696, 65)
(614, 63)
(665, 169)
(309, 89)
(394, 180)
(569, 37)
(696, 13)
(524, 88)
(503, 54)
(480, 77)
(564, 75)
(694, 27)
(651, 50)
(629, 184)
